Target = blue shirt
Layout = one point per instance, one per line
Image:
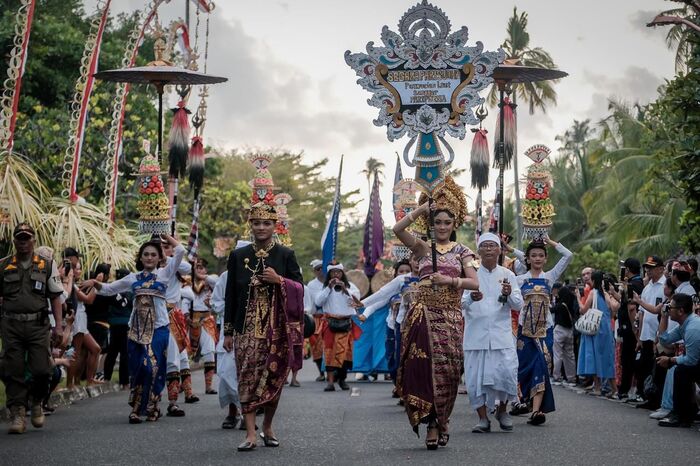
(689, 332)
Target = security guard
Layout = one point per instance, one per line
(27, 283)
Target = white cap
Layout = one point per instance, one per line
(335, 267)
(488, 237)
(316, 263)
(242, 243)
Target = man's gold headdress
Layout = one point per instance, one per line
(448, 196)
(262, 211)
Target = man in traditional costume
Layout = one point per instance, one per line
(314, 287)
(490, 358)
(203, 334)
(263, 321)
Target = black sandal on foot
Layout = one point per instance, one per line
(269, 441)
(174, 411)
(431, 444)
(191, 399)
(134, 419)
(537, 418)
(443, 438)
(211, 391)
(230, 422)
(247, 446)
(154, 415)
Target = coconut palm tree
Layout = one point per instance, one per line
(685, 21)
(373, 167)
(537, 95)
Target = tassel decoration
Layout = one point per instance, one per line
(178, 141)
(479, 161)
(197, 165)
(509, 133)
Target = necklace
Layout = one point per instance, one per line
(445, 248)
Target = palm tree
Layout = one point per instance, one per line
(373, 167)
(685, 21)
(537, 95)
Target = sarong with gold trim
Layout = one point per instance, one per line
(338, 346)
(271, 343)
(178, 327)
(431, 355)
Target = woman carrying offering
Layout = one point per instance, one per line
(263, 321)
(431, 357)
(534, 357)
(149, 325)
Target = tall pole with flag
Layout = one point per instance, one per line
(373, 245)
(330, 235)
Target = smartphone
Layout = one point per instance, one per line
(659, 301)
(66, 266)
(623, 269)
(630, 293)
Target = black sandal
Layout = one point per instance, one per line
(154, 415)
(247, 446)
(174, 411)
(269, 441)
(431, 444)
(443, 438)
(134, 418)
(211, 391)
(230, 422)
(537, 418)
(191, 399)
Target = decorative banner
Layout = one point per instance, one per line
(373, 242)
(425, 82)
(329, 239)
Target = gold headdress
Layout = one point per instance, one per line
(448, 196)
(262, 211)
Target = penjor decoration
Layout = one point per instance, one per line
(538, 210)
(153, 206)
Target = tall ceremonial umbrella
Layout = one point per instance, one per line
(159, 73)
(504, 75)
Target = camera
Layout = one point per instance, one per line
(337, 287)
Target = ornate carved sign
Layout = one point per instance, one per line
(425, 79)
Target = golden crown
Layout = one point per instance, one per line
(448, 196)
(262, 211)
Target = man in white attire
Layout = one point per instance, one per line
(490, 358)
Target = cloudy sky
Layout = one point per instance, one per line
(289, 86)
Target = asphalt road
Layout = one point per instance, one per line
(315, 427)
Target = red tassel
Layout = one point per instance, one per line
(178, 142)
(197, 165)
(479, 161)
(509, 133)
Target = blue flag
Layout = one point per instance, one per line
(330, 235)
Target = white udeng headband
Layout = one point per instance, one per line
(315, 263)
(488, 237)
(335, 267)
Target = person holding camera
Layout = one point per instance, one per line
(338, 329)
(27, 285)
(490, 358)
(687, 367)
(627, 330)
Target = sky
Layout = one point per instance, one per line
(289, 86)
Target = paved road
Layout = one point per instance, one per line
(325, 428)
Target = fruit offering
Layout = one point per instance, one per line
(537, 209)
(153, 205)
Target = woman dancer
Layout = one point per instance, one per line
(339, 331)
(534, 357)
(431, 357)
(148, 327)
(596, 356)
(265, 310)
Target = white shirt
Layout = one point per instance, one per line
(218, 296)
(336, 302)
(652, 292)
(488, 324)
(163, 275)
(314, 287)
(172, 294)
(199, 302)
(551, 276)
(383, 296)
(309, 306)
(186, 299)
